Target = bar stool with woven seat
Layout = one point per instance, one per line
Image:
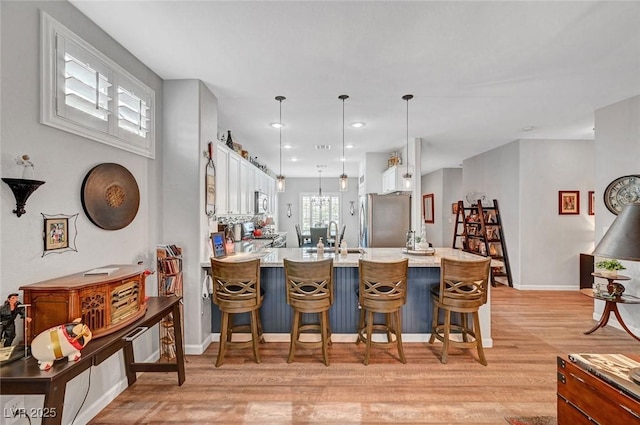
(382, 289)
(236, 289)
(309, 286)
(463, 289)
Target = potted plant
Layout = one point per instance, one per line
(609, 267)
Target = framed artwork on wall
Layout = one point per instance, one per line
(427, 208)
(592, 202)
(454, 208)
(568, 202)
(59, 233)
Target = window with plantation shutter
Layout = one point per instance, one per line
(86, 93)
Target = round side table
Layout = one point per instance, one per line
(611, 306)
(612, 286)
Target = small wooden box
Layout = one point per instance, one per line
(104, 302)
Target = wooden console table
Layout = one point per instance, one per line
(24, 376)
(611, 306)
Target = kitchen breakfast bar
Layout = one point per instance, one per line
(424, 271)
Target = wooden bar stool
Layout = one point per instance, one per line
(382, 289)
(463, 289)
(309, 286)
(236, 289)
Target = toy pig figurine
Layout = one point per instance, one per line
(60, 341)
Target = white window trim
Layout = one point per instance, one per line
(49, 28)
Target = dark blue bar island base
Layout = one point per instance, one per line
(424, 272)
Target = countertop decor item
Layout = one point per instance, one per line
(110, 196)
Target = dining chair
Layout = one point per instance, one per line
(344, 227)
(463, 289)
(302, 241)
(317, 233)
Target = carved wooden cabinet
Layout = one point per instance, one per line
(104, 302)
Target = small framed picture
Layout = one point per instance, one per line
(454, 208)
(568, 202)
(427, 208)
(56, 233)
(217, 243)
(592, 202)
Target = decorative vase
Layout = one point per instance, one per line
(229, 140)
(609, 273)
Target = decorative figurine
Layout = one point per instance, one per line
(60, 341)
(11, 309)
(27, 171)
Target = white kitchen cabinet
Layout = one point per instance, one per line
(222, 179)
(392, 179)
(234, 184)
(247, 187)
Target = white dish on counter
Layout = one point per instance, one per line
(427, 251)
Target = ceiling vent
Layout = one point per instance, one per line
(323, 147)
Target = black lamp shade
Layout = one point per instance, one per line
(622, 240)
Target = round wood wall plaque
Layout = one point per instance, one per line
(110, 196)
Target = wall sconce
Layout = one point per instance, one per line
(22, 189)
(289, 210)
(352, 207)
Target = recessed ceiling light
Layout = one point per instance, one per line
(286, 146)
(528, 128)
(276, 124)
(294, 159)
(343, 159)
(349, 146)
(357, 124)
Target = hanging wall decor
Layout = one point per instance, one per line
(110, 196)
(59, 233)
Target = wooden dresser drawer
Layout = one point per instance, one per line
(581, 393)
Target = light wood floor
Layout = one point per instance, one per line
(530, 328)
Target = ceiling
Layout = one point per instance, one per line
(481, 72)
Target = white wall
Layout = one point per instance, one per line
(62, 160)
(525, 177)
(617, 149)
(496, 173)
(545, 234)
(295, 186)
(446, 186)
(191, 121)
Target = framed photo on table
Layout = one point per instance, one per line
(218, 245)
(427, 208)
(568, 202)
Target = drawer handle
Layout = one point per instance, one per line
(634, 414)
(578, 378)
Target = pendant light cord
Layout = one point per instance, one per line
(407, 97)
(343, 158)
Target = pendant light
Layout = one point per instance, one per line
(343, 184)
(407, 176)
(280, 183)
(319, 200)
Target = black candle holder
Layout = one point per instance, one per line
(22, 189)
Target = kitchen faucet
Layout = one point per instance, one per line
(336, 241)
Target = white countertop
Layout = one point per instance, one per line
(273, 257)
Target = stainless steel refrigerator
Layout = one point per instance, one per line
(384, 220)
